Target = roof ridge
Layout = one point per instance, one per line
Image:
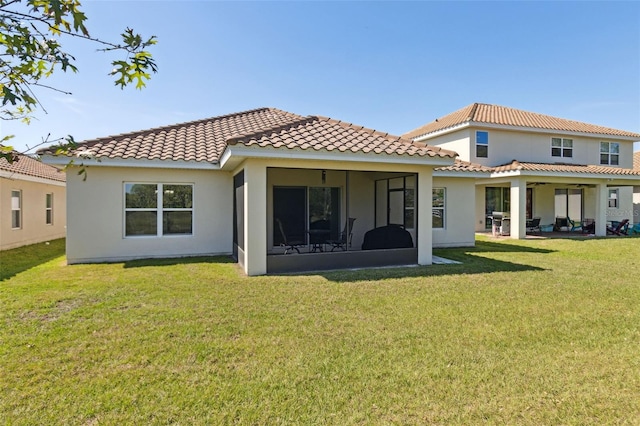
(91, 142)
(235, 139)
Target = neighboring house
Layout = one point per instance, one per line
(636, 190)
(251, 183)
(32, 202)
(532, 165)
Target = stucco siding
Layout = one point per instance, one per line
(506, 146)
(459, 230)
(34, 228)
(96, 215)
(460, 142)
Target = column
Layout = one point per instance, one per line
(255, 218)
(602, 200)
(518, 208)
(425, 205)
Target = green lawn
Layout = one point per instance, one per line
(536, 332)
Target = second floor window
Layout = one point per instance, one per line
(610, 153)
(482, 144)
(561, 147)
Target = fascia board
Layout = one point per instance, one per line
(304, 155)
(19, 176)
(128, 162)
(427, 136)
(565, 175)
(460, 174)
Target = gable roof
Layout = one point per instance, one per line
(206, 140)
(636, 160)
(25, 165)
(479, 113)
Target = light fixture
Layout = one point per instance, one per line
(324, 177)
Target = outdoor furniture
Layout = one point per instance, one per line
(618, 228)
(288, 244)
(576, 225)
(345, 236)
(319, 233)
(635, 229)
(533, 225)
(562, 224)
(589, 226)
(387, 237)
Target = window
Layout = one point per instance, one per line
(438, 216)
(610, 153)
(49, 209)
(16, 209)
(482, 144)
(561, 147)
(158, 209)
(613, 198)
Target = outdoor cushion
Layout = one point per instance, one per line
(387, 237)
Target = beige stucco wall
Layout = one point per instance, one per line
(459, 230)
(506, 146)
(96, 215)
(34, 228)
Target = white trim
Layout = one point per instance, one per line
(129, 162)
(301, 154)
(27, 178)
(567, 175)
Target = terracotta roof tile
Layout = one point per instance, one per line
(465, 166)
(205, 140)
(565, 168)
(511, 117)
(29, 166)
(636, 160)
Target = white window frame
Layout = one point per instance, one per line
(613, 199)
(607, 151)
(159, 209)
(482, 144)
(48, 208)
(442, 209)
(16, 207)
(564, 147)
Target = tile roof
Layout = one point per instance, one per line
(564, 168)
(636, 160)
(205, 140)
(511, 117)
(465, 166)
(28, 166)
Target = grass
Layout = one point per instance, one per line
(523, 332)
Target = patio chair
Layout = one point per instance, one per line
(289, 245)
(563, 224)
(589, 226)
(635, 229)
(533, 225)
(618, 228)
(345, 237)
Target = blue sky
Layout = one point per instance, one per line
(391, 66)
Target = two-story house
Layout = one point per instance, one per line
(532, 165)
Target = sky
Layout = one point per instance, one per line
(390, 66)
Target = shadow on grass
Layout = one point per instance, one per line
(470, 265)
(21, 259)
(140, 263)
